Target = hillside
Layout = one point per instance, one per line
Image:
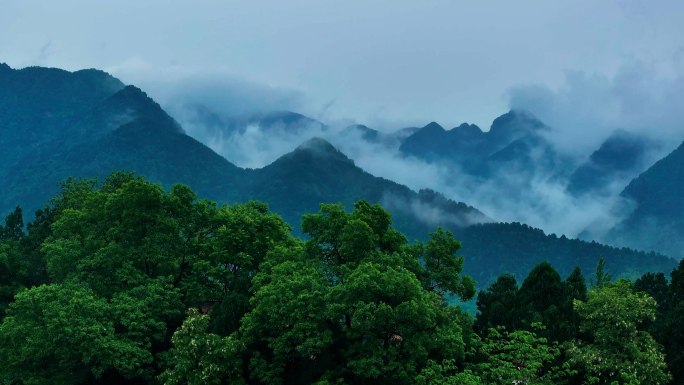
(657, 222)
(619, 159)
(41, 106)
(316, 172)
(517, 248)
(128, 130)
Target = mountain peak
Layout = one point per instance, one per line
(317, 144)
(292, 121)
(318, 149)
(466, 130)
(133, 100)
(368, 134)
(133, 92)
(433, 127)
(516, 121)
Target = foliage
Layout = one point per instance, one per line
(602, 277)
(656, 286)
(542, 298)
(198, 357)
(539, 298)
(124, 258)
(671, 332)
(515, 248)
(66, 334)
(14, 270)
(518, 357)
(356, 304)
(615, 350)
(497, 305)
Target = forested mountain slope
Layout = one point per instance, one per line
(133, 133)
(125, 129)
(657, 222)
(517, 248)
(620, 156)
(40, 107)
(316, 172)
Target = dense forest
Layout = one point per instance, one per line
(119, 281)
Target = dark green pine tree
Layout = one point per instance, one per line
(497, 305)
(602, 277)
(656, 285)
(575, 288)
(14, 270)
(539, 296)
(673, 338)
(14, 224)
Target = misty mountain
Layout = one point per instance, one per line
(620, 158)
(657, 222)
(125, 129)
(368, 134)
(372, 136)
(128, 130)
(405, 132)
(225, 126)
(433, 143)
(528, 156)
(516, 142)
(317, 172)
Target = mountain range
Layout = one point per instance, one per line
(56, 124)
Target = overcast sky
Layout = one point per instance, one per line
(386, 64)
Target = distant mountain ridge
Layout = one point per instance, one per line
(217, 125)
(373, 136)
(125, 129)
(515, 141)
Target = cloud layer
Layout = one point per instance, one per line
(387, 64)
(587, 108)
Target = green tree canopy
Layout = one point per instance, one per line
(497, 305)
(357, 304)
(124, 259)
(615, 350)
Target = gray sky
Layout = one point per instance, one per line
(386, 64)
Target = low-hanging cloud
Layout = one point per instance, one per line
(255, 147)
(587, 108)
(216, 88)
(539, 199)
